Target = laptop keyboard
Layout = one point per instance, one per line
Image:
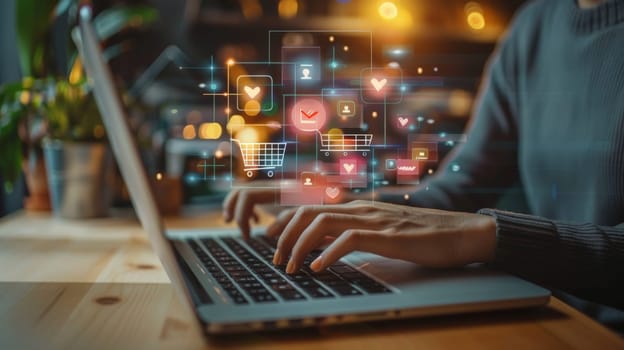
(247, 277)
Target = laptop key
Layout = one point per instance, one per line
(263, 298)
(318, 292)
(291, 295)
(346, 290)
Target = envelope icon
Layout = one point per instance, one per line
(307, 116)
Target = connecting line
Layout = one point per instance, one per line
(385, 121)
(332, 66)
(228, 90)
(214, 98)
(373, 179)
(214, 165)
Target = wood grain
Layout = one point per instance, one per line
(96, 284)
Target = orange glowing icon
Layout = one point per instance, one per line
(252, 92)
(379, 84)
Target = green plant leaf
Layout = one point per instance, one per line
(10, 145)
(32, 19)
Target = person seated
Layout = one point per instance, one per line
(550, 116)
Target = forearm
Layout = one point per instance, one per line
(584, 259)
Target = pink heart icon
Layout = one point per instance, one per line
(348, 167)
(379, 84)
(332, 192)
(403, 121)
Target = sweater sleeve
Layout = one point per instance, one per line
(579, 258)
(485, 166)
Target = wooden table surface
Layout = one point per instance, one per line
(96, 284)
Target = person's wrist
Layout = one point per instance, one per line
(487, 238)
(479, 243)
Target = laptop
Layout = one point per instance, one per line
(231, 286)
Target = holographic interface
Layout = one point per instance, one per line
(317, 122)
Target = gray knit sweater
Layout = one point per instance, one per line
(550, 116)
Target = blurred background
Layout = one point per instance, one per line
(443, 45)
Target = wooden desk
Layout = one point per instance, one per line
(96, 284)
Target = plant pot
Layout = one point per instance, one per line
(34, 170)
(79, 177)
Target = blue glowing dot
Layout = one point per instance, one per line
(455, 168)
(213, 86)
(364, 126)
(420, 118)
(450, 143)
(412, 127)
(211, 67)
(334, 64)
(373, 162)
(403, 88)
(332, 92)
(442, 134)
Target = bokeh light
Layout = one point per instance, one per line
(210, 131)
(388, 10)
(189, 132)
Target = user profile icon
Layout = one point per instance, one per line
(346, 108)
(306, 71)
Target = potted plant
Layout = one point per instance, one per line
(22, 127)
(53, 100)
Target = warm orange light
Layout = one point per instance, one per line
(476, 20)
(235, 124)
(335, 131)
(388, 10)
(210, 131)
(252, 108)
(189, 132)
(251, 9)
(230, 62)
(248, 135)
(159, 176)
(287, 8)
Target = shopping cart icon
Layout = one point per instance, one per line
(261, 156)
(346, 143)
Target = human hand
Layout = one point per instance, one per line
(428, 237)
(239, 206)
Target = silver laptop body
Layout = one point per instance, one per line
(222, 304)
